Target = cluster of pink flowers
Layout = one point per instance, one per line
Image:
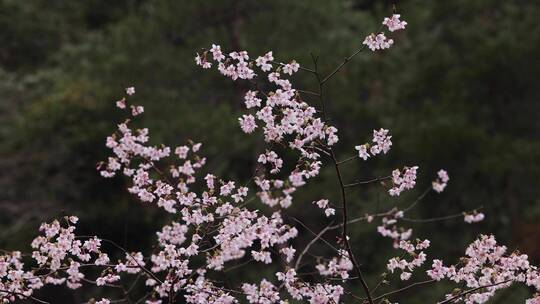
(403, 180)
(247, 123)
(271, 157)
(284, 118)
(59, 256)
(337, 267)
(474, 217)
(393, 23)
(390, 229)
(442, 180)
(380, 41)
(218, 205)
(487, 268)
(381, 142)
(535, 300)
(324, 204)
(313, 293)
(265, 293)
(418, 257)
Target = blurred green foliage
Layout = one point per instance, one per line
(458, 91)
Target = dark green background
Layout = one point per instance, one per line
(459, 90)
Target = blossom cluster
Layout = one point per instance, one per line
(390, 229)
(313, 293)
(415, 251)
(474, 217)
(338, 266)
(535, 300)
(324, 204)
(59, 256)
(442, 180)
(381, 142)
(219, 205)
(380, 41)
(487, 267)
(285, 119)
(403, 180)
(393, 23)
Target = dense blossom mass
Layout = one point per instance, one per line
(487, 264)
(219, 224)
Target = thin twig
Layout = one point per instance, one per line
(300, 68)
(418, 199)
(347, 160)
(436, 219)
(403, 289)
(24, 296)
(377, 179)
(345, 61)
(127, 253)
(315, 234)
(317, 237)
(470, 291)
(308, 92)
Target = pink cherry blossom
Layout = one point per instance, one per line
(474, 217)
(362, 151)
(130, 90)
(378, 42)
(393, 23)
(247, 123)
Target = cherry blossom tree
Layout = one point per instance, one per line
(224, 224)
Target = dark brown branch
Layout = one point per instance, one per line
(344, 230)
(377, 179)
(471, 291)
(345, 61)
(341, 184)
(402, 289)
(127, 253)
(300, 68)
(315, 234)
(418, 199)
(24, 296)
(317, 237)
(348, 159)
